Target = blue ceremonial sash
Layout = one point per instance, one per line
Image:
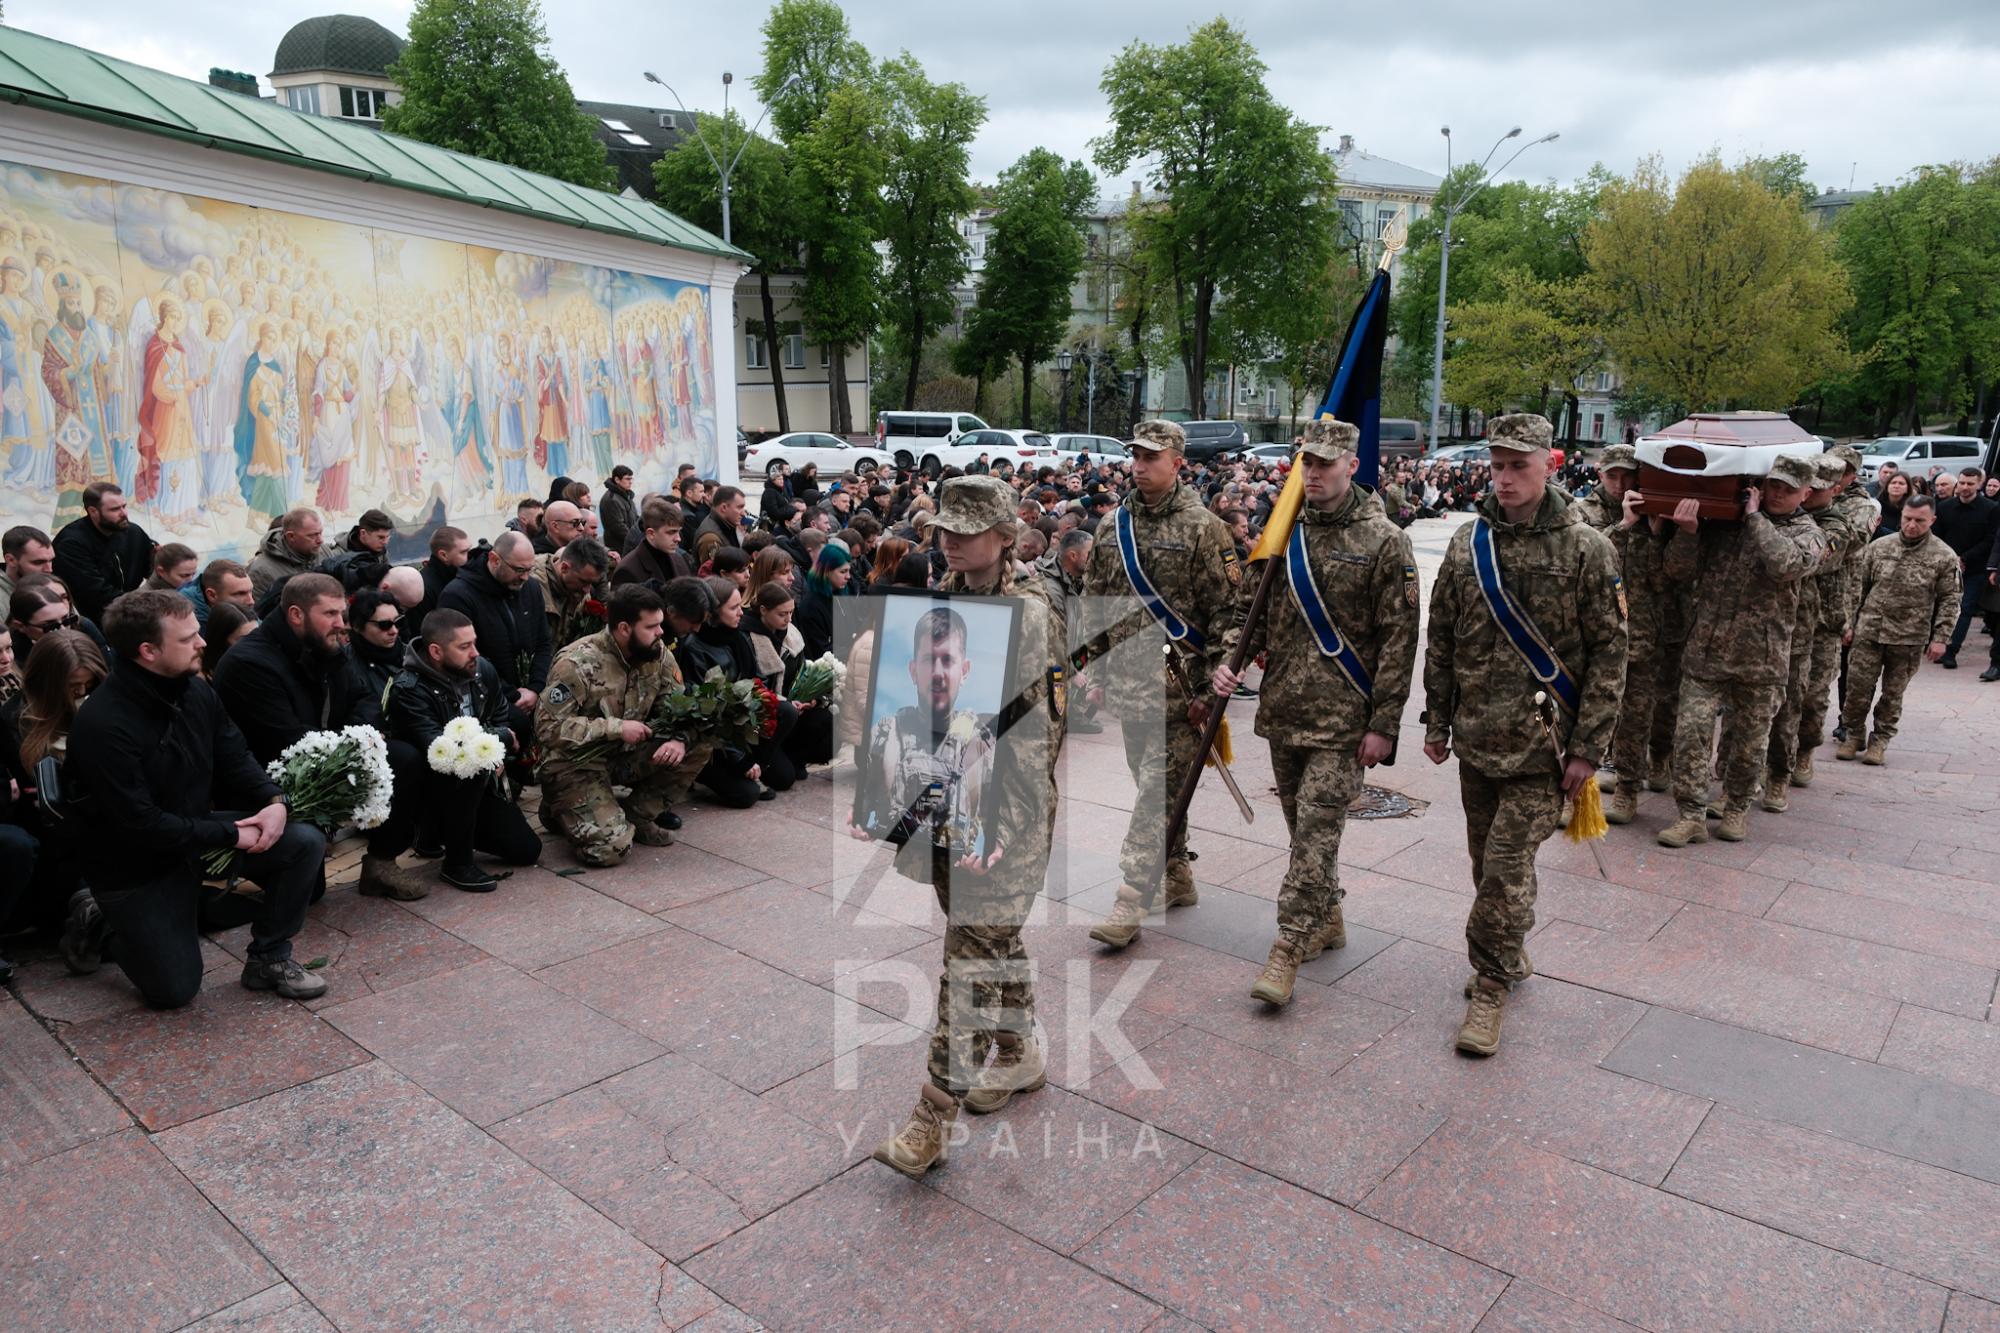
(1128, 548)
(1325, 632)
(1535, 651)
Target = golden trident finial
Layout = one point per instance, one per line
(1394, 237)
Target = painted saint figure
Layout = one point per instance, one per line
(396, 382)
(170, 473)
(551, 408)
(72, 371)
(259, 443)
(333, 428)
(510, 438)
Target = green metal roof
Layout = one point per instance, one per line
(55, 76)
(343, 43)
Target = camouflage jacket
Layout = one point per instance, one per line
(592, 689)
(1906, 592)
(1856, 514)
(1478, 694)
(1368, 581)
(568, 621)
(1747, 577)
(1191, 561)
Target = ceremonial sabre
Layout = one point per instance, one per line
(1178, 670)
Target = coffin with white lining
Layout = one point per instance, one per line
(1713, 457)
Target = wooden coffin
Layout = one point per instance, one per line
(1713, 457)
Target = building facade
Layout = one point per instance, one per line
(337, 65)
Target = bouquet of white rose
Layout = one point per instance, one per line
(465, 750)
(329, 778)
(819, 679)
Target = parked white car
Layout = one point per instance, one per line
(1085, 450)
(929, 440)
(1022, 448)
(833, 455)
(1918, 454)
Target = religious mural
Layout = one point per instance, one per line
(223, 363)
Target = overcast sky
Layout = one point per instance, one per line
(1857, 86)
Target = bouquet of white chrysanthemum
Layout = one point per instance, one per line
(465, 750)
(330, 778)
(819, 679)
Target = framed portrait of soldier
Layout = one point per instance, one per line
(943, 676)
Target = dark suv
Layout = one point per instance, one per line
(1207, 439)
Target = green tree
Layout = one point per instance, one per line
(1720, 292)
(926, 190)
(1032, 262)
(1783, 174)
(809, 54)
(1924, 258)
(1244, 190)
(1306, 343)
(760, 215)
(1529, 342)
(477, 78)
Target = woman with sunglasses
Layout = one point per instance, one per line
(41, 603)
(375, 631)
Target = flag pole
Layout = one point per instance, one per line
(1393, 240)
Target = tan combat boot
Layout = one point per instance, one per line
(1122, 926)
(1607, 779)
(1179, 887)
(1017, 1066)
(1846, 749)
(1659, 778)
(1735, 825)
(1479, 1034)
(646, 830)
(1623, 806)
(1877, 751)
(1332, 935)
(1776, 789)
(381, 877)
(1802, 771)
(926, 1140)
(1683, 831)
(1280, 971)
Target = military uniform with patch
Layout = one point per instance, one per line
(592, 691)
(1908, 594)
(1310, 709)
(1479, 694)
(1641, 554)
(1187, 557)
(1837, 593)
(1747, 576)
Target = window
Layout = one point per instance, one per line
(753, 352)
(1384, 216)
(825, 358)
(636, 140)
(1093, 290)
(618, 125)
(362, 103)
(1603, 381)
(1954, 449)
(1350, 217)
(305, 98)
(1246, 392)
(795, 348)
(1596, 425)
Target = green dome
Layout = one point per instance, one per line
(343, 42)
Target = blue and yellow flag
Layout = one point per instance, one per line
(1354, 397)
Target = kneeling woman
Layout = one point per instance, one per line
(737, 778)
(781, 651)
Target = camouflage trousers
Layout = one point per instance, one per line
(1506, 820)
(578, 801)
(1632, 739)
(988, 985)
(1666, 704)
(1745, 712)
(1781, 752)
(1314, 785)
(1160, 758)
(1825, 669)
(1894, 664)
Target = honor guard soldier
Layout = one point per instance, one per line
(1527, 603)
(1163, 550)
(1747, 578)
(1854, 509)
(1341, 639)
(1908, 598)
(986, 870)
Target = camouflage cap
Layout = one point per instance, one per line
(1159, 435)
(975, 504)
(1618, 455)
(1829, 469)
(1798, 469)
(1523, 432)
(1330, 439)
(1849, 456)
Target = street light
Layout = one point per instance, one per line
(723, 171)
(1444, 256)
(1064, 360)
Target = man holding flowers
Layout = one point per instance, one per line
(151, 756)
(593, 730)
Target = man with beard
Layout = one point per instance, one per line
(443, 678)
(603, 689)
(104, 554)
(294, 674)
(73, 372)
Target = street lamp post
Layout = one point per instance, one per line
(1064, 360)
(1444, 255)
(725, 172)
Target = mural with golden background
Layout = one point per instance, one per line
(223, 363)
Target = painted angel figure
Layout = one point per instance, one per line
(471, 468)
(510, 439)
(170, 476)
(259, 444)
(397, 414)
(332, 411)
(552, 406)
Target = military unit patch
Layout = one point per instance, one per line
(1618, 586)
(1410, 584)
(559, 696)
(1232, 567)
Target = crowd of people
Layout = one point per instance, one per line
(143, 692)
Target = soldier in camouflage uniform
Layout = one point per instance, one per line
(1841, 537)
(1641, 544)
(985, 853)
(1324, 725)
(1747, 578)
(1479, 697)
(1187, 557)
(603, 688)
(1858, 513)
(1908, 591)
(568, 579)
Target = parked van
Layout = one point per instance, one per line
(1918, 454)
(914, 437)
(1401, 438)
